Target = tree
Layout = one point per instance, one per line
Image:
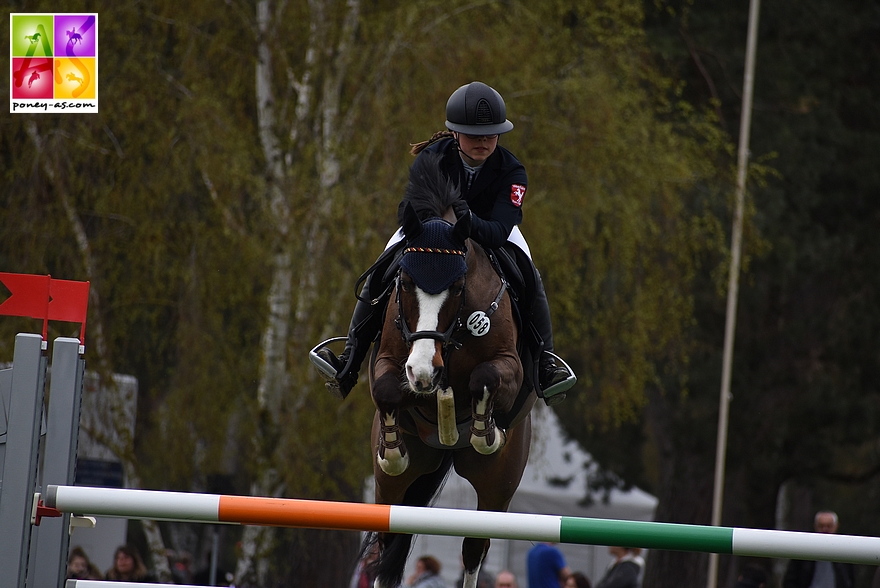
(246, 167)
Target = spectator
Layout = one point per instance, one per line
(505, 579)
(427, 574)
(752, 576)
(128, 566)
(577, 580)
(80, 567)
(820, 574)
(364, 574)
(625, 571)
(546, 567)
(181, 567)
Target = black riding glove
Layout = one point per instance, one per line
(464, 224)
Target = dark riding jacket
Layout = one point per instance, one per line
(799, 574)
(496, 195)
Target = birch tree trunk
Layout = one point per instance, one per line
(274, 383)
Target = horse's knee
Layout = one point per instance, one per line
(485, 376)
(387, 393)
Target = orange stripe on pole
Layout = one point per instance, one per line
(255, 510)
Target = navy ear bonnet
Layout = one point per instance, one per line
(435, 258)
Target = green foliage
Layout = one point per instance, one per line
(626, 214)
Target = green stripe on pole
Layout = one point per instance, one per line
(647, 535)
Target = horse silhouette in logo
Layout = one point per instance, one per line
(72, 77)
(34, 76)
(33, 38)
(73, 37)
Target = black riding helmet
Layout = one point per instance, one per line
(477, 109)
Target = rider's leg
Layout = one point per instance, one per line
(549, 374)
(361, 332)
(365, 323)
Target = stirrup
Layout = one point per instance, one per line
(556, 393)
(326, 370)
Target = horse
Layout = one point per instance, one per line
(445, 374)
(73, 37)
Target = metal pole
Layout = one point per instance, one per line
(392, 518)
(733, 285)
(19, 475)
(215, 553)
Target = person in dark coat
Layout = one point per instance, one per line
(625, 571)
(820, 574)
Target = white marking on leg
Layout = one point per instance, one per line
(480, 442)
(420, 363)
(482, 408)
(470, 579)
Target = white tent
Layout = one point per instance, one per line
(552, 460)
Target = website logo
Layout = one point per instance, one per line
(53, 63)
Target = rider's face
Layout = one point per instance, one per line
(476, 148)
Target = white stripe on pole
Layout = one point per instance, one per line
(142, 504)
(794, 544)
(459, 523)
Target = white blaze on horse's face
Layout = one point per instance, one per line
(424, 357)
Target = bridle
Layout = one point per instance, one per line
(443, 337)
(446, 338)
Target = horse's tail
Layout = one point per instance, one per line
(396, 546)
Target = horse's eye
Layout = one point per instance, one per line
(406, 285)
(457, 290)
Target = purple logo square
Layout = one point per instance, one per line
(76, 35)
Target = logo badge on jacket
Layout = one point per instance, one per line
(517, 193)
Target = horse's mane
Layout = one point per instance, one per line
(429, 190)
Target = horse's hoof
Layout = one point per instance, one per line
(394, 466)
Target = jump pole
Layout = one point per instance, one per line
(314, 514)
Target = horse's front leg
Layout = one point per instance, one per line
(485, 382)
(473, 553)
(391, 454)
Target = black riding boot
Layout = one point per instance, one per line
(549, 374)
(361, 333)
(366, 322)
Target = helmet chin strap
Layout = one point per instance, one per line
(457, 144)
(461, 152)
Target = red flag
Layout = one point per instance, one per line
(29, 295)
(69, 301)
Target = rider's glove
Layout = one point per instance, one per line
(461, 208)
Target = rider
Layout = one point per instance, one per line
(493, 184)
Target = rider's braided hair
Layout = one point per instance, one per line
(417, 148)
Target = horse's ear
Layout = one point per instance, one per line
(412, 226)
